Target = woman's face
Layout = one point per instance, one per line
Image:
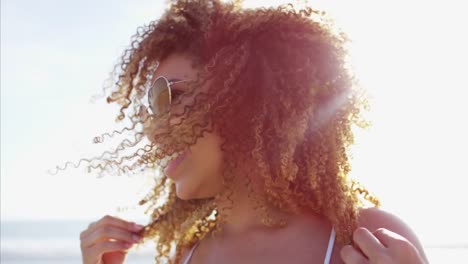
(199, 173)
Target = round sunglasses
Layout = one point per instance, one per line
(160, 95)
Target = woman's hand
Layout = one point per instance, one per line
(381, 247)
(107, 240)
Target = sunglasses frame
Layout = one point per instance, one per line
(153, 90)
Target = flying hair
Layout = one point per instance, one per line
(277, 90)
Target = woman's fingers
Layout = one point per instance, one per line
(368, 243)
(108, 246)
(397, 244)
(389, 238)
(382, 246)
(103, 233)
(110, 221)
(352, 256)
(108, 238)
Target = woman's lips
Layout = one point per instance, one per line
(173, 164)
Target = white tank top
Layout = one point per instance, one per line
(331, 241)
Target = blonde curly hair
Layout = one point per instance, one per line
(292, 104)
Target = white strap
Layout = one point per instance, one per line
(331, 241)
(330, 246)
(190, 254)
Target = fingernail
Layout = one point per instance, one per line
(126, 244)
(137, 226)
(136, 237)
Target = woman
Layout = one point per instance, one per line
(253, 108)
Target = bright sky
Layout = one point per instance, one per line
(411, 55)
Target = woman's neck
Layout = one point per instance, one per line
(243, 220)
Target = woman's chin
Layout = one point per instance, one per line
(185, 193)
(181, 192)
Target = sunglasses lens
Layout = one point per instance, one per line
(159, 96)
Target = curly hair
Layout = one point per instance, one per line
(280, 94)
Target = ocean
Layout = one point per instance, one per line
(41, 242)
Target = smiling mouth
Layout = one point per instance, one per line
(175, 162)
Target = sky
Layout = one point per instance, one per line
(410, 55)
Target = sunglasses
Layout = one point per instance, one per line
(161, 94)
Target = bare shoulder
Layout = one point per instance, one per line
(375, 218)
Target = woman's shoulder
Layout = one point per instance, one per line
(375, 218)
